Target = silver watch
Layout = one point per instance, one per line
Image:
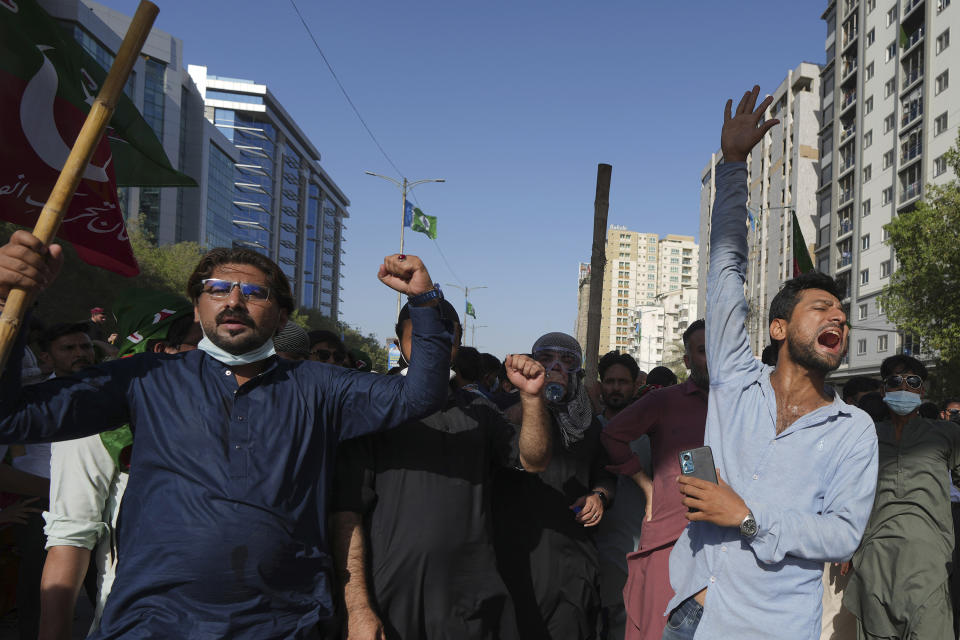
(748, 528)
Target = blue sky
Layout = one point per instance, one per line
(514, 104)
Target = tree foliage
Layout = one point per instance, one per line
(921, 298)
(79, 287)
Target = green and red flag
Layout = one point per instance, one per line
(801, 255)
(47, 85)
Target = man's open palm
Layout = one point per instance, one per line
(740, 131)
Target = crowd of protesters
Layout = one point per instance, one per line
(199, 466)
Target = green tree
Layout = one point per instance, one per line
(921, 298)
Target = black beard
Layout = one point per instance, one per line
(805, 354)
(617, 403)
(700, 378)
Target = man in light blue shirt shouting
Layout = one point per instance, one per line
(797, 466)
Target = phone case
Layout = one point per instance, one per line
(699, 464)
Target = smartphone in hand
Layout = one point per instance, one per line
(699, 464)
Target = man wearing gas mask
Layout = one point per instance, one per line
(544, 521)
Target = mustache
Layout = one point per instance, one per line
(234, 316)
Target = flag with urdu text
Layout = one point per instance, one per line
(471, 311)
(424, 223)
(47, 85)
(801, 255)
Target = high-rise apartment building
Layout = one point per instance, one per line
(886, 122)
(783, 173)
(284, 204)
(641, 271)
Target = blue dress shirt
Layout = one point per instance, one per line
(222, 528)
(810, 488)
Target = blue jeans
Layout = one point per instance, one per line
(683, 621)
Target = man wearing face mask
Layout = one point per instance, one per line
(899, 586)
(543, 521)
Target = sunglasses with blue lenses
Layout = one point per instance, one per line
(220, 289)
(896, 381)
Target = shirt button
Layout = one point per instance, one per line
(756, 476)
(712, 579)
(236, 446)
(240, 418)
(723, 548)
(228, 373)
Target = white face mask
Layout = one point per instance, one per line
(262, 352)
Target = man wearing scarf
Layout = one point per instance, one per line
(89, 475)
(543, 521)
(223, 529)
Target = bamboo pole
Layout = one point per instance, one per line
(18, 301)
(598, 261)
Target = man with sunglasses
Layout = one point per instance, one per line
(950, 410)
(796, 464)
(899, 587)
(326, 346)
(222, 529)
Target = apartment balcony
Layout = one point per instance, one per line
(848, 99)
(910, 76)
(845, 260)
(845, 166)
(844, 227)
(849, 67)
(847, 132)
(911, 114)
(910, 5)
(916, 37)
(911, 192)
(845, 197)
(909, 153)
(849, 37)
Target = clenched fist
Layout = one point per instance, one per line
(406, 274)
(525, 373)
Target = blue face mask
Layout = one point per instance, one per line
(902, 402)
(262, 352)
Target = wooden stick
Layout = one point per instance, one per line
(18, 301)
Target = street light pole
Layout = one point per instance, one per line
(466, 298)
(405, 187)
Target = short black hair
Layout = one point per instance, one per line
(467, 363)
(447, 313)
(929, 410)
(696, 325)
(770, 354)
(623, 359)
(949, 401)
(902, 363)
(873, 404)
(860, 384)
(489, 363)
(322, 335)
(662, 376)
(178, 330)
(276, 280)
(786, 299)
(59, 330)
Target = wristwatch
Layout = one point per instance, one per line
(603, 497)
(427, 296)
(748, 528)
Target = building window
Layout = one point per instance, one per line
(889, 87)
(870, 37)
(882, 343)
(861, 347)
(939, 166)
(884, 268)
(886, 196)
(868, 139)
(943, 41)
(865, 242)
(862, 312)
(868, 105)
(892, 15)
(867, 173)
(885, 235)
(879, 307)
(888, 159)
(940, 124)
(865, 276)
(888, 123)
(891, 51)
(868, 70)
(942, 4)
(872, 4)
(865, 208)
(942, 82)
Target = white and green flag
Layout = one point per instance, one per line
(424, 224)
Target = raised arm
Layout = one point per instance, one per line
(728, 350)
(370, 402)
(534, 445)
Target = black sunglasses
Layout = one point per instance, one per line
(897, 380)
(324, 354)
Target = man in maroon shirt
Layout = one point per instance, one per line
(673, 418)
